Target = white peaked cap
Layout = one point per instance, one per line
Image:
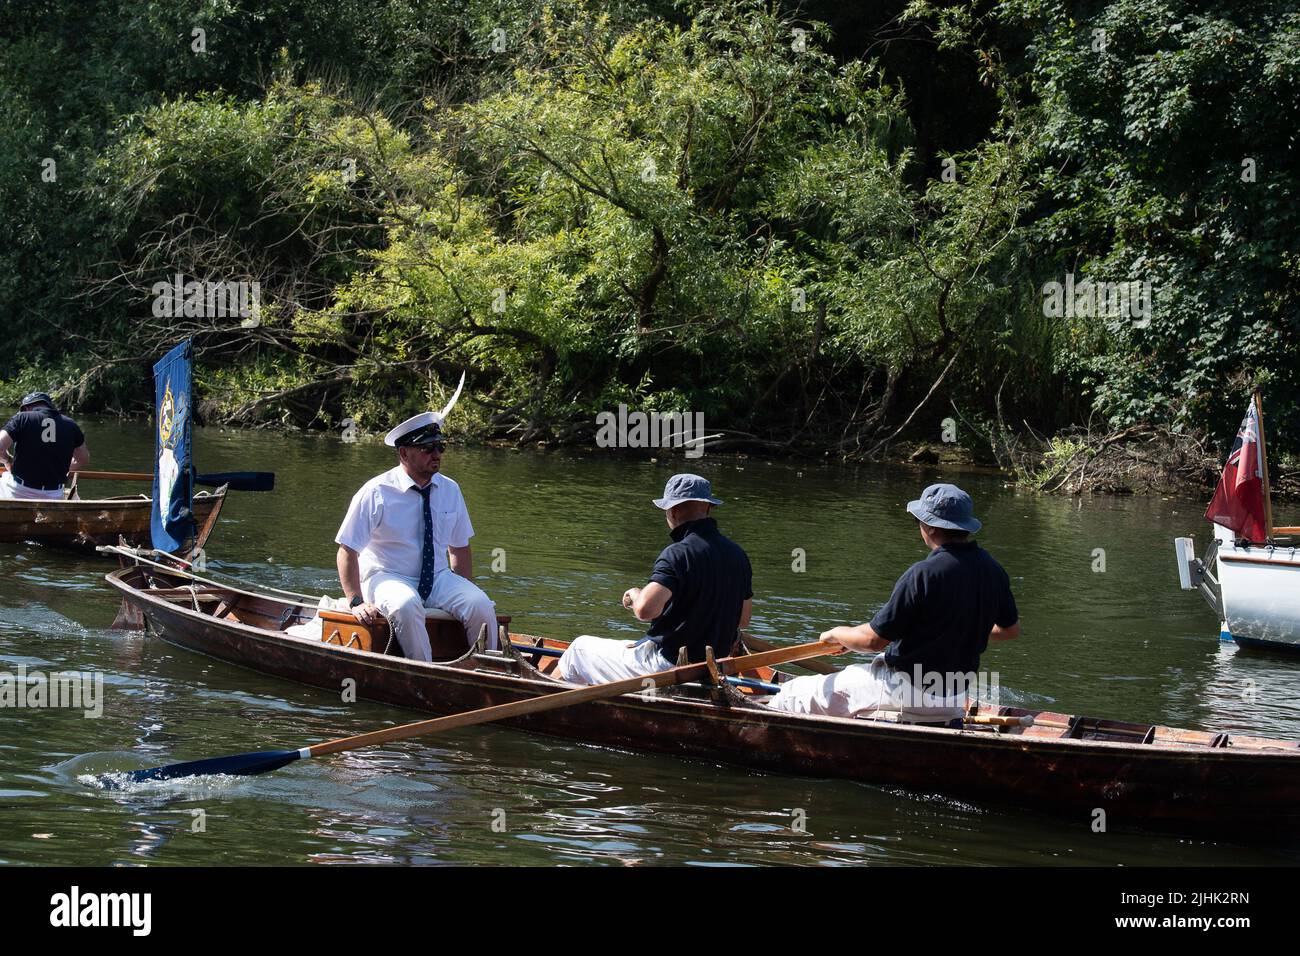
(424, 419)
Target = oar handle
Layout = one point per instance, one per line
(1001, 720)
(765, 686)
(534, 705)
(758, 644)
(111, 475)
(237, 480)
(115, 475)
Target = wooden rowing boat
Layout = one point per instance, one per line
(1138, 774)
(79, 523)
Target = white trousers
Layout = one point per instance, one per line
(10, 489)
(399, 600)
(598, 660)
(860, 690)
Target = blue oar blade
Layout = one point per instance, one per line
(245, 765)
(239, 480)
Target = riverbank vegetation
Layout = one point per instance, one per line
(833, 232)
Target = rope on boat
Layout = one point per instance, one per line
(255, 589)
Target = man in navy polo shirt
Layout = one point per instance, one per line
(38, 447)
(700, 592)
(942, 614)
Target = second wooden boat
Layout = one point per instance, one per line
(87, 523)
(1138, 774)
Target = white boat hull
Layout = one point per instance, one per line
(1254, 589)
(1260, 589)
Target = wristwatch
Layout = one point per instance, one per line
(358, 599)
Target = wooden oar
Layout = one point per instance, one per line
(764, 686)
(237, 480)
(757, 644)
(262, 761)
(1001, 720)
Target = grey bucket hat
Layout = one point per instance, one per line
(945, 506)
(686, 488)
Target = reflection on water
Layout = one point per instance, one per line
(1253, 692)
(1107, 632)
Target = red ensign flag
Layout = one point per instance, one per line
(1238, 502)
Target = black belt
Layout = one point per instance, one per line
(35, 487)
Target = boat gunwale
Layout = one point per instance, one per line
(1251, 559)
(73, 504)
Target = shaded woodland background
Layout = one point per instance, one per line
(824, 225)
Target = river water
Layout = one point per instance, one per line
(1105, 632)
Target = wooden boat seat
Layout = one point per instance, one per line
(168, 594)
(446, 635)
(1081, 727)
(1243, 742)
(1189, 738)
(1056, 726)
(205, 599)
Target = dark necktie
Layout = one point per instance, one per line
(427, 555)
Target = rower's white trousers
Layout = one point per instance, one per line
(598, 660)
(399, 600)
(861, 690)
(10, 489)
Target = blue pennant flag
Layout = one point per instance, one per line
(173, 477)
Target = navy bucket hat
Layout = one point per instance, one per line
(38, 398)
(945, 506)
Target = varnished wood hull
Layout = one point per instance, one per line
(87, 524)
(1189, 787)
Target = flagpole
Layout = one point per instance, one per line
(1263, 458)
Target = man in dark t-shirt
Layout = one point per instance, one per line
(942, 614)
(38, 447)
(699, 594)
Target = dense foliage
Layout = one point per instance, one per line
(825, 232)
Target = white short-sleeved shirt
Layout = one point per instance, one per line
(385, 523)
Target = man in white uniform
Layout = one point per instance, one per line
(394, 541)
